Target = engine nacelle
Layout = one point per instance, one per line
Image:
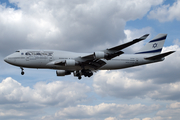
(99, 55)
(62, 72)
(70, 62)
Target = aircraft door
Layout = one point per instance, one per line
(50, 56)
(27, 56)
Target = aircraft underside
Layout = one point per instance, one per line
(86, 71)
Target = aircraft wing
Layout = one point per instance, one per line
(114, 51)
(95, 60)
(96, 64)
(120, 47)
(92, 63)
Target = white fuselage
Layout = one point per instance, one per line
(45, 59)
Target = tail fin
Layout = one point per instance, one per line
(154, 46)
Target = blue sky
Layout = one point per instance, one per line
(149, 92)
(9, 4)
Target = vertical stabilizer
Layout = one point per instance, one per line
(154, 46)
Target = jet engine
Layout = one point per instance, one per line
(70, 62)
(62, 72)
(99, 55)
(108, 55)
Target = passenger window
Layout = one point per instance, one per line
(38, 53)
(50, 54)
(22, 53)
(28, 53)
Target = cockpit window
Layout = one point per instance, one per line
(17, 51)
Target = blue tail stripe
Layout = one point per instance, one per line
(153, 51)
(159, 39)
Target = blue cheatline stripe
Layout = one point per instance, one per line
(153, 51)
(159, 39)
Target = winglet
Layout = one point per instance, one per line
(144, 36)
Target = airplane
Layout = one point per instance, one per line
(84, 64)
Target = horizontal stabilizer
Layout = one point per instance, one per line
(159, 56)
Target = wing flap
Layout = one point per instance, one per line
(96, 64)
(112, 55)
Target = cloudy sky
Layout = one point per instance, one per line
(149, 92)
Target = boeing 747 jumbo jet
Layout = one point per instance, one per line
(85, 64)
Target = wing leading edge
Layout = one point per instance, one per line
(125, 45)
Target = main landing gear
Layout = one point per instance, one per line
(22, 72)
(79, 77)
(85, 72)
(78, 74)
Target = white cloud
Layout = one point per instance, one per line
(43, 95)
(111, 118)
(87, 25)
(135, 119)
(118, 84)
(171, 113)
(155, 81)
(130, 34)
(117, 112)
(104, 111)
(166, 13)
(174, 105)
(54, 93)
(133, 34)
(82, 24)
(155, 118)
(162, 72)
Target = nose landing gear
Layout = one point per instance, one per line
(22, 72)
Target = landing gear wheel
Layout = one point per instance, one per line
(79, 77)
(22, 73)
(86, 72)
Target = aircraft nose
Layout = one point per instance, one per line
(6, 59)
